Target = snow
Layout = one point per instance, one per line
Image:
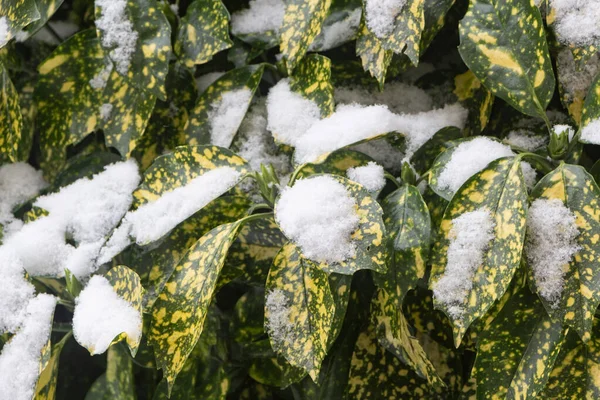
(577, 21)
(85, 211)
(338, 32)
(5, 35)
(347, 125)
(16, 291)
(381, 15)
(155, 219)
(101, 315)
(261, 16)
(559, 129)
(204, 81)
(574, 79)
(371, 176)
(468, 158)
(257, 146)
(19, 182)
(289, 114)
(319, 215)
(117, 32)
(399, 97)
(551, 244)
(591, 132)
(279, 324)
(105, 111)
(382, 151)
(225, 115)
(525, 139)
(20, 358)
(470, 237)
(99, 80)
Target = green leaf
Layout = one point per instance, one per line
(179, 167)
(336, 163)
(393, 333)
(163, 258)
(312, 79)
(476, 98)
(591, 108)
(126, 283)
(374, 57)
(581, 294)
(408, 224)
(11, 119)
(504, 43)
(46, 9)
(179, 311)
(46, 384)
(203, 32)
(500, 189)
(18, 14)
(74, 287)
(186, 385)
(150, 58)
(98, 390)
(424, 157)
(516, 354)
(198, 129)
(302, 22)
(299, 310)
(119, 374)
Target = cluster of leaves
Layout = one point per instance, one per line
(365, 328)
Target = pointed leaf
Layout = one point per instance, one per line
(119, 374)
(11, 119)
(299, 310)
(375, 58)
(17, 14)
(500, 190)
(312, 79)
(504, 44)
(46, 384)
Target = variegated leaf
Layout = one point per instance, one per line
(46, 384)
(203, 32)
(425, 156)
(476, 98)
(516, 354)
(46, 9)
(336, 163)
(149, 62)
(302, 22)
(504, 44)
(499, 189)
(591, 110)
(375, 58)
(179, 311)
(17, 14)
(198, 128)
(312, 79)
(299, 310)
(11, 120)
(580, 295)
(119, 374)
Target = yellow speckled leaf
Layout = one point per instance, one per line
(11, 120)
(46, 384)
(581, 289)
(406, 35)
(203, 32)
(126, 283)
(301, 24)
(119, 374)
(591, 108)
(375, 58)
(198, 128)
(299, 310)
(46, 9)
(179, 311)
(312, 79)
(18, 14)
(336, 163)
(499, 189)
(476, 98)
(149, 63)
(504, 43)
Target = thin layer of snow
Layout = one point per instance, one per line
(117, 32)
(101, 78)
(399, 97)
(468, 158)
(381, 15)
(371, 176)
(577, 21)
(85, 211)
(106, 110)
(319, 215)
(279, 324)
(559, 129)
(204, 81)
(526, 139)
(19, 182)
(575, 80)
(591, 132)
(101, 315)
(16, 291)
(155, 219)
(470, 237)
(289, 114)
(257, 146)
(20, 358)
(551, 244)
(261, 16)
(338, 32)
(382, 151)
(5, 35)
(226, 115)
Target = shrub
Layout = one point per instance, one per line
(299, 199)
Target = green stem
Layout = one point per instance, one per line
(62, 327)
(295, 175)
(255, 216)
(67, 304)
(540, 162)
(392, 178)
(258, 207)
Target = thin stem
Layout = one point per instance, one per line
(67, 304)
(256, 216)
(62, 327)
(258, 207)
(295, 175)
(541, 162)
(392, 178)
